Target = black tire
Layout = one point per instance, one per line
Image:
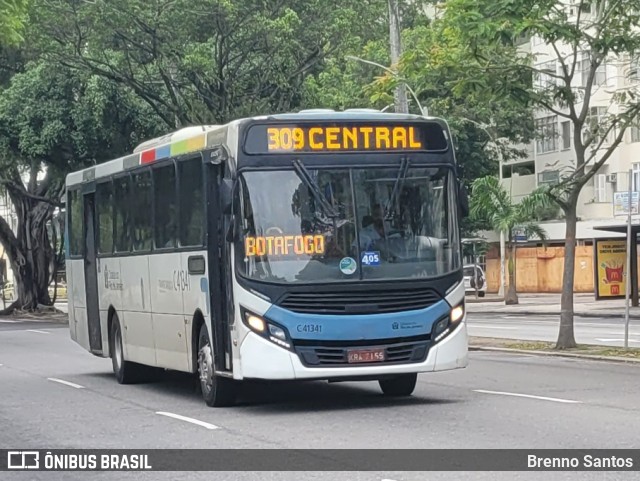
(126, 372)
(216, 391)
(402, 385)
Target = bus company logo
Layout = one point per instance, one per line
(23, 460)
(395, 326)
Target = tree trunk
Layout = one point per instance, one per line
(30, 254)
(566, 338)
(512, 295)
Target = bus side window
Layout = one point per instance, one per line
(166, 206)
(75, 223)
(191, 189)
(122, 214)
(104, 193)
(142, 222)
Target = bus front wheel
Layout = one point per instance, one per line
(217, 391)
(401, 385)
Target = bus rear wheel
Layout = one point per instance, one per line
(401, 385)
(216, 391)
(126, 372)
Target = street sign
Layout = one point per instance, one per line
(621, 203)
(519, 234)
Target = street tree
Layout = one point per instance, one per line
(204, 61)
(587, 41)
(54, 120)
(492, 206)
(487, 124)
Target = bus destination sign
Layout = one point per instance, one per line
(282, 139)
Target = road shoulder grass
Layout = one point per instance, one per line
(549, 347)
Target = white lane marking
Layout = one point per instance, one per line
(1, 365)
(38, 331)
(530, 396)
(492, 327)
(66, 383)
(189, 420)
(8, 322)
(616, 340)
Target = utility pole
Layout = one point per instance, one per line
(401, 104)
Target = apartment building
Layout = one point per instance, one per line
(551, 156)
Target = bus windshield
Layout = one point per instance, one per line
(336, 225)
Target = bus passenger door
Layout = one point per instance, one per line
(91, 273)
(219, 276)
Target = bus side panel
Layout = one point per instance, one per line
(196, 297)
(78, 299)
(110, 287)
(170, 281)
(137, 334)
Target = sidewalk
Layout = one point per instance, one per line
(584, 305)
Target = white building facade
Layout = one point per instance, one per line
(552, 156)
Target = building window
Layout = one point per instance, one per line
(635, 176)
(549, 177)
(600, 188)
(566, 135)
(634, 130)
(585, 7)
(600, 77)
(634, 69)
(595, 124)
(547, 131)
(545, 75)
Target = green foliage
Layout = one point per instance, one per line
(204, 61)
(66, 119)
(12, 18)
(491, 205)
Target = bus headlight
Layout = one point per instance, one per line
(266, 329)
(457, 313)
(256, 323)
(445, 325)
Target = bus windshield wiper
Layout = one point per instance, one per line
(306, 178)
(402, 174)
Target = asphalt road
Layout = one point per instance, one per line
(588, 330)
(499, 401)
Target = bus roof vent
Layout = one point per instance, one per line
(170, 138)
(316, 111)
(363, 111)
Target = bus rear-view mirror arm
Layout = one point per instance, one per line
(226, 195)
(463, 200)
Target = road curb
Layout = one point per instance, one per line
(556, 354)
(595, 315)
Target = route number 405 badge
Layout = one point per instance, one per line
(371, 258)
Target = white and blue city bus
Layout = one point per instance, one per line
(312, 246)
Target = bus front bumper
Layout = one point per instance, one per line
(261, 359)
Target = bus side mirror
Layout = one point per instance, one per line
(226, 195)
(463, 200)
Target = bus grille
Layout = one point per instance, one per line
(372, 301)
(395, 353)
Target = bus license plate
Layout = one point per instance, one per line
(368, 355)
